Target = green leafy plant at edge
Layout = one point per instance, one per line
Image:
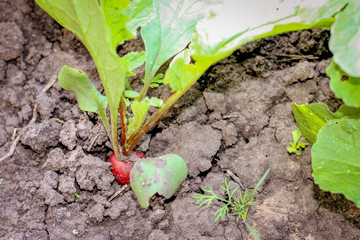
(237, 205)
(336, 136)
(295, 146)
(186, 31)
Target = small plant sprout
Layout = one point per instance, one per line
(295, 146)
(77, 195)
(236, 203)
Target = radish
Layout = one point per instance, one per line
(121, 169)
(140, 154)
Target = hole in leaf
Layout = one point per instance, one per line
(344, 78)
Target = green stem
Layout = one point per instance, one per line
(114, 134)
(113, 92)
(251, 230)
(105, 121)
(223, 200)
(145, 89)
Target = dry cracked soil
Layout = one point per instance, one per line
(234, 123)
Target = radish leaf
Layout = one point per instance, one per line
(142, 13)
(131, 94)
(89, 99)
(76, 81)
(181, 74)
(116, 20)
(259, 19)
(335, 158)
(175, 74)
(161, 175)
(139, 110)
(170, 31)
(349, 112)
(157, 80)
(310, 118)
(101, 26)
(345, 38)
(344, 86)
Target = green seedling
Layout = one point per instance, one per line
(1, 180)
(236, 203)
(295, 146)
(77, 195)
(189, 33)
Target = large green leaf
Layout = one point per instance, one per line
(326, 12)
(140, 13)
(115, 12)
(181, 74)
(344, 86)
(310, 118)
(161, 175)
(336, 158)
(257, 19)
(101, 26)
(345, 39)
(171, 30)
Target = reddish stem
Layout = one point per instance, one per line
(123, 121)
(135, 137)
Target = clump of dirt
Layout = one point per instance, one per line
(236, 121)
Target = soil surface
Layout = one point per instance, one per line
(236, 120)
